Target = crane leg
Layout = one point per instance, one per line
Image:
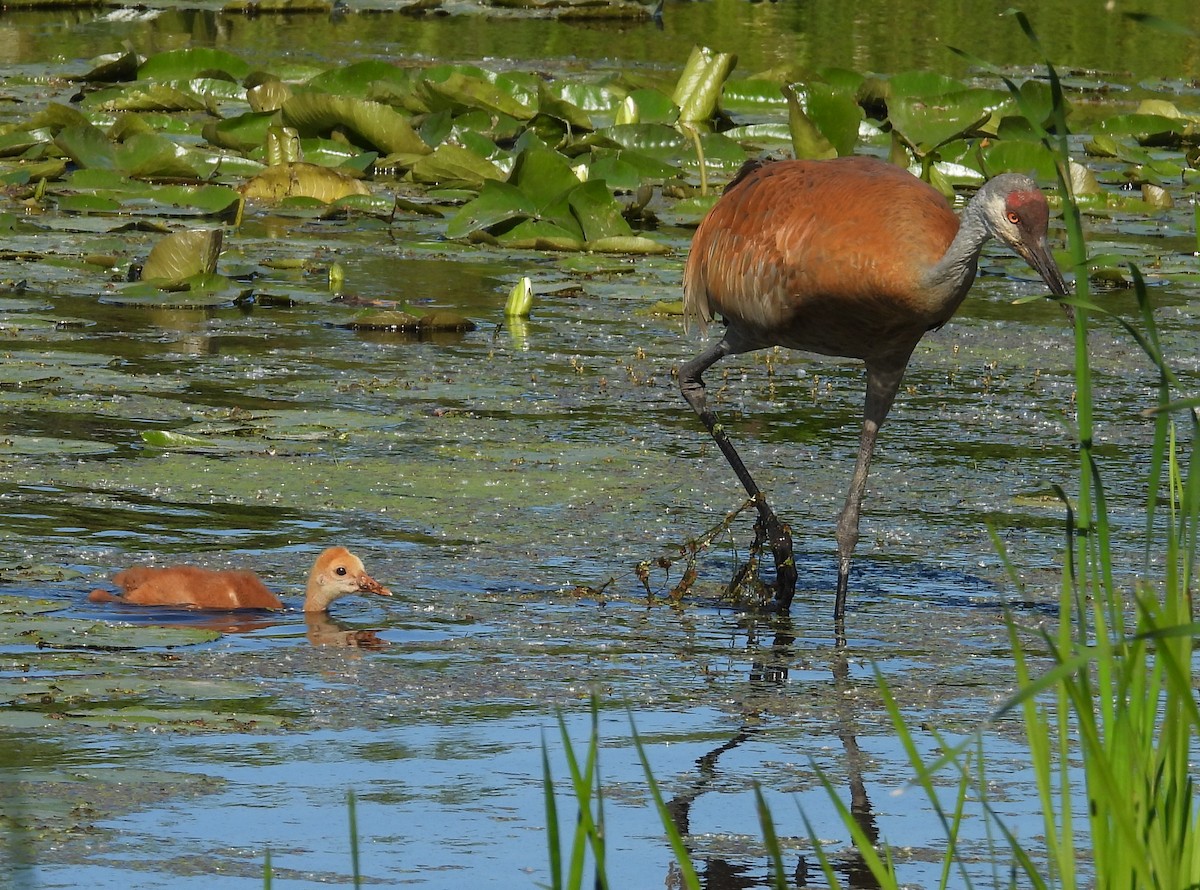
(881, 392)
(776, 532)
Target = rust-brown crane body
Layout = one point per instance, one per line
(850, 257)
(792, 256)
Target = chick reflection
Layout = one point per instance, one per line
(324, 630)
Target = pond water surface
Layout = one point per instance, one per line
(506, 483)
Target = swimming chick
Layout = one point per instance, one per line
(336, 573)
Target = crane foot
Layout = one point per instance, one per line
(771, 530)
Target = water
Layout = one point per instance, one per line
(506, 483)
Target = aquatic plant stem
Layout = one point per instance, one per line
(353, 811)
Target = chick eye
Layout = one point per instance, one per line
(341, 570)
(1013, 217)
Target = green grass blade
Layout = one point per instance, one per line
(882, 869)
(586, 831)
(553, 839)
(687, 871)
(770, 840)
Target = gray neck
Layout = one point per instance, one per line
(955, 271)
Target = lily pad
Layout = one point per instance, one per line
(303, 180)
(187, 63)
(14, 446)
(24, 573)
(182, 255)
(198, 291)
(929, 121)
(399, 320)
(59, 633)
(370, 125)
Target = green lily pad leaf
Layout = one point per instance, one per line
(836, 114)
(719, 151)
(1037, 101)
(459, 92)
(208, 199)
(598, 213)
(1161, 107)
(383, 206)
(399, 320)
(927, 121)
(689, 211)
(87, 146)
(585, 96)
(663, 307)
(128, 124)
(183, 254)
(649, 168)
(268, 96)
(543, 175)
(655, 140)
(96, 179)
(196, 292)
(1105, 146)
(25, 573)
(537, 234)
(760, 134)
(1147, 129)
(151, 156)
(301, 180)
(244, 132)
(184, 64)
(752, 94)
(25, 446)
(357, 78)
(808, 142)
(619, 174)
(112, 68)
(88, 204)
(1007, 156)
(453, 165)
(630, 244)
(370, 124)
(322, 152)
(142, 155)
(17, 142)
(558, 107)
(654, 107)
(922, 83)
(56, 116)
(497, 202)
(61, 634)
(145, 97)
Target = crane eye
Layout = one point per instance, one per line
(1013, 217)
(341, 570)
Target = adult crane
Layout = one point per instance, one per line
(849, 257)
